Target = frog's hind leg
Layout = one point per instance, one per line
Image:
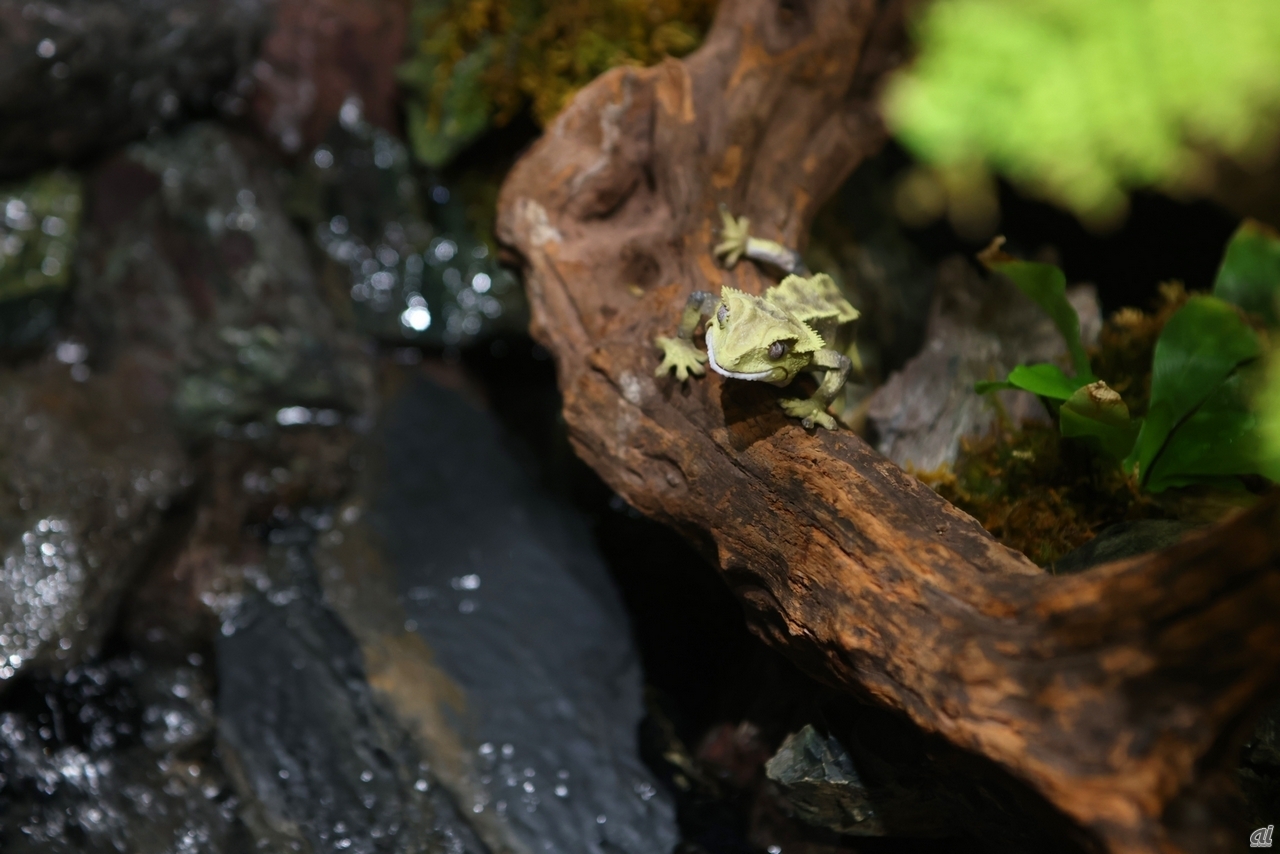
(814, 410)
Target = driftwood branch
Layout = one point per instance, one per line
(1117, 695)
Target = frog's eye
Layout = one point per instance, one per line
(722, 314)
(777, 350)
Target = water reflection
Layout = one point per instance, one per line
(412, 274)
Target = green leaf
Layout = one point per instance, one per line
(1046, 380)
(1220, 439)
(1097, 414)
(1201, 345)
(987, 386)
(1047, 285)
(1267, 404)
(1250, 273)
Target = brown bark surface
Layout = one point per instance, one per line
(1118, 695)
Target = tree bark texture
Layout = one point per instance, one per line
(1119, 695)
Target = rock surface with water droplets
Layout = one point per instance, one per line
(187, 248)
(78, 77)
(506, 587)
(87, 471)
(320, 766)
(115, 756)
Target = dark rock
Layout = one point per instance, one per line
(319, 54)
(80, 77)
(195, 309)
(819, 781)
(504, 584)
(980, 327)
(1122, 540)
(1259, 769)
(187, 249)
(318, 763)
(115, 756)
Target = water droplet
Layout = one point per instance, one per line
(46, 49)
(293, 415)
(416, 317)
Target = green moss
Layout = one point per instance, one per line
(1038, 494)
(41, 219)
(480, 62)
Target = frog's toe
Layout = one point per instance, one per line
(810, 413)
(681, 356)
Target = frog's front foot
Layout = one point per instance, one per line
(734, 234)
(810, 412)
(680, 354)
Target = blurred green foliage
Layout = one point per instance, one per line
(1080, 100)
(1200, 424)
(480, 62)
(41, 218)
(39, 225)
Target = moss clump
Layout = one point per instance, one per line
(482, 61)
(1038, 493)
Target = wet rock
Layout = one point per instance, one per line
(412, 265)
(38, 232)
(84, 76)
(320, 766)
(320, 53)
(187, 248)
(176, 607)
(819, 781)
(980, 327)
(1122, 540)
(115, 756)
(507, 589)
(87, 471)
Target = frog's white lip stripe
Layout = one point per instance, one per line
(733, 375)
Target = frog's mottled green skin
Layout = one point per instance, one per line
(768, 338)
